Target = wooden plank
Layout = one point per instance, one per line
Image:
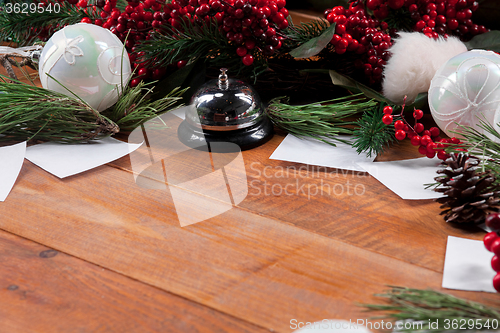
(349, 206)
(252, 267)
(43, 290)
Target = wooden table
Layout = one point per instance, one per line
(97, 253)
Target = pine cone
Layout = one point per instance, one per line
(470, 194)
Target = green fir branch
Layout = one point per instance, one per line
(323, 120)
(373, 136)
(29, 112)
(193, 41)
(23, 28)
(33, 113)
(484, 146)
(297, 35)
(430, 310)
(135, 106)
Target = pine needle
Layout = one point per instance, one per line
(373, 136)
(136, 107)
(29, 112)
(193, 41)
(428, 307)
(480, 145)
(323, 120)
(23, 28)
(303, 32)
(33, 113)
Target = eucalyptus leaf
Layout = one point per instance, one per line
(351, 84)
(487, 41)
(315, 45)
(346, 82)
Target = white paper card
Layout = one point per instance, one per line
(467, 266)
(313, 152)
(11, 161)
(64, 160)
(406, 178)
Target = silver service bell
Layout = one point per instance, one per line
(226, 110)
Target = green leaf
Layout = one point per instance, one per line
(315, 45)
(351, 84)
(486, 41)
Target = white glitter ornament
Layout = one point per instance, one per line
(466, 90)
(88, 60)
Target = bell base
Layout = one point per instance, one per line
(245, 138)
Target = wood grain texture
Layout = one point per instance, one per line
(43, 290)
(349, 206)
(252, 267)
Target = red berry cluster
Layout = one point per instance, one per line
(492, 244)
(358, 33)
(428, 141)
(433, 17)
(249, 25)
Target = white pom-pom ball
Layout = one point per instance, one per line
(466, 90)
(88, 60)
(414, 61)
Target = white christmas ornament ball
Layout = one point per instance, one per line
(88, 60)
(466, 90)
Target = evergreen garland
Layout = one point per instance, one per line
(323, 120)
(372, 135)
(24, 28)
(424, 307)
(33, 113)
(481, 145)
(192, 42)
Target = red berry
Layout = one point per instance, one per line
(241, 51)
(399, 125)
(388, 109)
(495, 263)
(134, 82)
(247, 60)
(86, 20)
(419, 128)
(415, 140)
(426, 140)
(431, 147)
(418, 114)
(493, 221)
(495, 247)
(387, 119)
(496, 282)
(400, 135)
(430, 154)
(442, 155)
(181, 63)
(422, 150)
(434, 132)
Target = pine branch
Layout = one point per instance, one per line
(480, 145)
(29, 112)
(24, 28)
(135, 106)
(193, 41)
(373, 135)
(322, 122)
(428, 306)
(303, 32)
